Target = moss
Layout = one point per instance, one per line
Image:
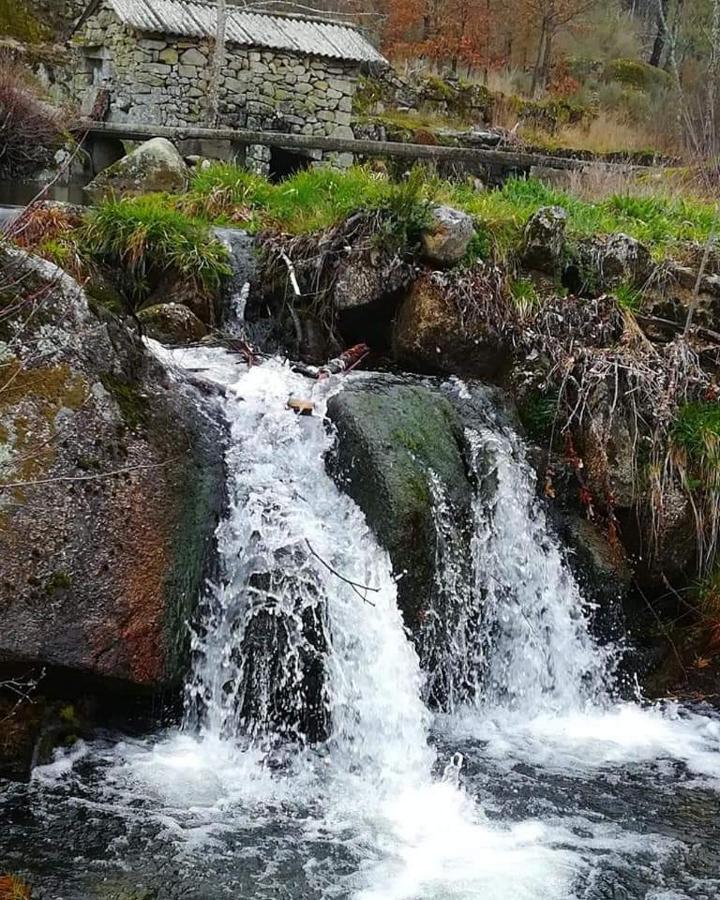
(68, 715)
(58, 581)
(552, 113)
(442, 90)
(134, 405)
(42, 392)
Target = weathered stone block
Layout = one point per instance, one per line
(193, 57)
(169, 56)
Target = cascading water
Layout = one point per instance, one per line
(536, 645)
(302, 636)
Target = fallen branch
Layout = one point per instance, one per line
(65, 478)
(355, 585)
(22, 689)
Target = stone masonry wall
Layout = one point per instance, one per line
(165, 81)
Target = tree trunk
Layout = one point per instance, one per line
(660, 35)
(547, 56)
(538, 58)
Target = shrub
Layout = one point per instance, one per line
(18, 22)
(30, 131)
(637, 74)
(143, 238)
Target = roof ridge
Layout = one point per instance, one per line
(280, 14)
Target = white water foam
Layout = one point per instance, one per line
(371, 788)
(546, 696)
(370, 791)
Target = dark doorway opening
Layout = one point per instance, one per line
(284, 163)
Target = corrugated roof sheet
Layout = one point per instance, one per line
(251, 29)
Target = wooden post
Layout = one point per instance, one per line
(218, 64)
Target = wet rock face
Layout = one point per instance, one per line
(391, 435)
(431, 336)
(154, 167)
(544, 240)
(111, 485)
(446, 239)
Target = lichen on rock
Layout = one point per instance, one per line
(94, 442)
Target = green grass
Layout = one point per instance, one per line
(145, 236)
(697, 432)
(659, 222)
(628, 296)
(317, 199)
(524, 295)
(312, 200)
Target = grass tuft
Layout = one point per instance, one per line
(145, 237)
(697, 433)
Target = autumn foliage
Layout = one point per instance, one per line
(444, 31)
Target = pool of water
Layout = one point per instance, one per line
(624, 804)
(20, 193)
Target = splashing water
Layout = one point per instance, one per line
(534, 630)
(302, 635)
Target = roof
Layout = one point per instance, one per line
(194, 18)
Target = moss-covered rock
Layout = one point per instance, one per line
(394, 437)
(637, 74)
(172, 323)
(111, 485)
(154, 167)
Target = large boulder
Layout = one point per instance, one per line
(433, 335)
(399, 443)
(368, 278)
(171, 323)
(544, 240)
(446, 238)
(154, 167)
(110, 487)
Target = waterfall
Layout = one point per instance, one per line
(303, 626)
(532, 634)
(308, 764)
(240, 246)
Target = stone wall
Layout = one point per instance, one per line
(165, 81)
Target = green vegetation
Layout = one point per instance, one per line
(697, 433)
(145, 237)
(637, 74)
(659, 222)
(18, 22)
(524, 295)
(309, 201)
(537, 413)
(628, 296)
(320, 198)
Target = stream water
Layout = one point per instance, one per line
(542, 786)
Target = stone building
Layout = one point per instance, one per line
(283, 73)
